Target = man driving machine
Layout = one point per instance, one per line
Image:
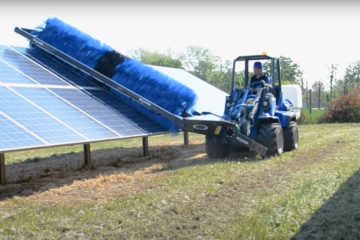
(259, 76)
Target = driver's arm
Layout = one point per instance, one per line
(267, 82)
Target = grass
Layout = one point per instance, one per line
(300, 194)
(313, 118)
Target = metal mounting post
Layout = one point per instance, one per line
(145, 142)
(87, 155)
(186, 138)
(2, 168)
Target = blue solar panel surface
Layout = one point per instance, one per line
(94, 108)
(35, 120)
(56, 66)
(39, 109)
(28, 68)
(14, 137)
(65, 113)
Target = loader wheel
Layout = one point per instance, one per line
(291, 137)
(271, 136)
(215, 148)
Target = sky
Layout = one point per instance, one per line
(315, 34)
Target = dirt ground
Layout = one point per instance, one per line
(198, 201)
(61, 178)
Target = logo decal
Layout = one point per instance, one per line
(200, 127)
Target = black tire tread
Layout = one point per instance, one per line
(291, 137)
(267, 136)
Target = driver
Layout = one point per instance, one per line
(259, 76)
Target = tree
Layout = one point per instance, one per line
(290, 71)
(205, 65)
(318, 89)
(332, 69)
(221, 78)
(157, 59)
(201, 62)
(352, 77)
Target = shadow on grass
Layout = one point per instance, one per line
(339, 217)
(42, 174)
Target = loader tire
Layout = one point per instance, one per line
(291, 137)
(271, 136)
(215, 148)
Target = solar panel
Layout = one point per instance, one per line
(13, 137)
(26, 114)
(72, 76)
(24, 65)
(105, 115)
(89, 87)
(8, 75)
(38, 108)
(64, 112)
(139, 120)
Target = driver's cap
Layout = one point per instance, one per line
(258, 65)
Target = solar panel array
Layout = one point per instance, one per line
(44, 102)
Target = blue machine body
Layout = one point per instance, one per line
(258, 103)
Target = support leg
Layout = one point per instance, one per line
(145, 141)
(186, 138)
(87, 155)
(2, 168)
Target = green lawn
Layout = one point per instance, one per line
(177, 193)
(314, 117)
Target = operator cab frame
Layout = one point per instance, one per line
(274, 72)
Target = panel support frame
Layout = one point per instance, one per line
(87, 155)
(2, 169)
(186, 138)
(145, 146)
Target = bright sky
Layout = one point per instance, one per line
(313, 35)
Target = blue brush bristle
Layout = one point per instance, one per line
(141, 79)
(157, 88)
(73, 42)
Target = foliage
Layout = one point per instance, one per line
(157, 59)
(350, 81)
(313, 118)
(344, 109)
(352, 76)
(204, 64)
(290, 71)
(201, 62)
(318, 94)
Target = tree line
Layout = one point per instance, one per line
(211, 68)
(338, 86)
(204, 64)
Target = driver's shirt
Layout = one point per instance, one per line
(263, 77)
